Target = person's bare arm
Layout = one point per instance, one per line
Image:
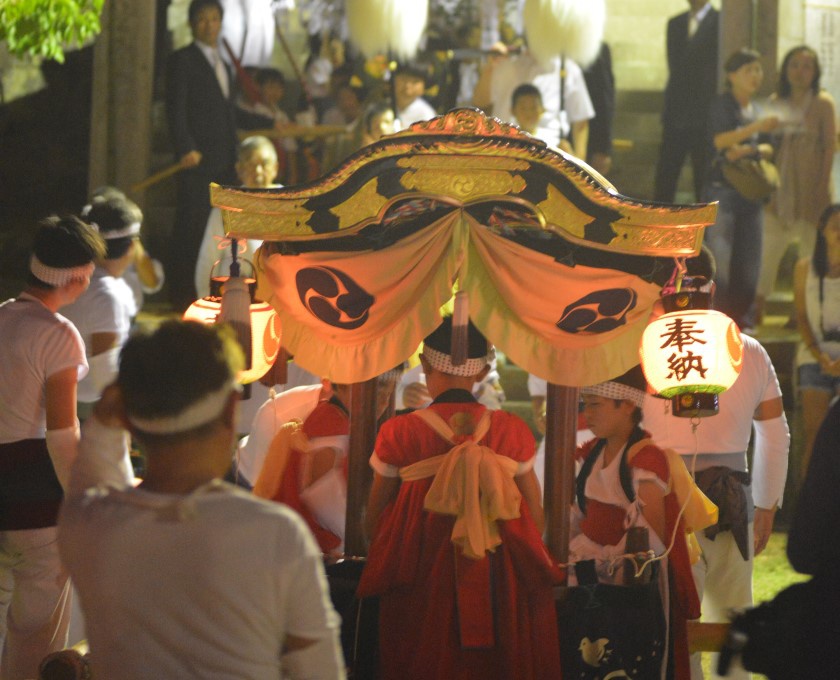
(102, 342)
(145, 267)
(736, 138)
(61, 399)
(580, 135)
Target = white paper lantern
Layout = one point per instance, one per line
(691, 352)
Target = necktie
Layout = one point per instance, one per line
(692, 25)
(221, 74)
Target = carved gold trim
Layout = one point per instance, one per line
(465, 157)
(472, 163)
(365, 204)
(562, 216)
(472, 122)
(465, 186)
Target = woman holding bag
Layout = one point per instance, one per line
(737, 130)
(805, 153)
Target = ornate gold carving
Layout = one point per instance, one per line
(463, 163)
(366, 203)
(465, 186)
(561, 214)
(471, 122)
(274, 226)
(656, 240)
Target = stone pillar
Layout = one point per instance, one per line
(123, 71)
(754, 24)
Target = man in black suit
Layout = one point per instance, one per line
(202, 123)
(692, 84)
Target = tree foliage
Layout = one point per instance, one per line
(43, 28)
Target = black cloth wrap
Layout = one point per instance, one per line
(725, 488)
(30, 493)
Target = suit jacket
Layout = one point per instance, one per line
(692, 71)
(201, 117)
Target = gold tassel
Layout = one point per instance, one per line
(460, 321)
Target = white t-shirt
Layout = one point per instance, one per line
(514, 71)
(297, 402)
(418, 110)
(35, 343)
(206, 585)
(107, 306)
(730, 430)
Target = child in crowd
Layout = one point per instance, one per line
(409, 86)
(625, 481)
(527, 108)
(478, 589)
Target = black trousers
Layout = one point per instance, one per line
(191, 215)
(677, 143)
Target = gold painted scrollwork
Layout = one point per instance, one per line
(465, 186)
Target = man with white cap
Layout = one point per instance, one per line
(43, 357)
(186, 575)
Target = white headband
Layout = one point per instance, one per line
(58, 276)
(131, 230)
(614, 390)
(200, 412)
(443, 362)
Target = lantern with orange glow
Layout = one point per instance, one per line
(256, 324)
(691, 354)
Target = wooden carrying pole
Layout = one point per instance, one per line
(359, 476)
(560, 440)
(159, 176)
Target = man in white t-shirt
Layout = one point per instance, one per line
(42, 357)
(747, 501)
(186, 575)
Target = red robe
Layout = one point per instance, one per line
(326, 419)
(604, 524)
(412, 565)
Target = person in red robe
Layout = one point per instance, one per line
(625, 481)
(457, 558)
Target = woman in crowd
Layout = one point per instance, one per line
(816, 291)
(735, 127)
(804, 156)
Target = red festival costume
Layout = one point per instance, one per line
(326, 420)
(605, 524)
(507, 625)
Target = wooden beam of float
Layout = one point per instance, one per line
(560, 269)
